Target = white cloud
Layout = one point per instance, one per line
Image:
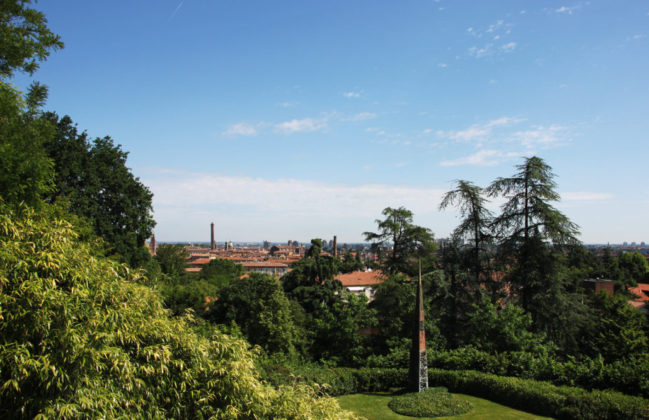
(303, 125)
(482, 158)
(585, 196)
(566, 9)
(277, 203)
(362, 116)
(478, 132)
(509, 47)
(496, 32)
(495, 26)
(241, 129)
(542, 136)
(352, 94)
(442, 65)
(479, 52)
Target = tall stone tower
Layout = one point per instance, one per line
(418, 373)
(212, 242)
(335, 246)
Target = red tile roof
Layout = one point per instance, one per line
(264, 264)
(200, 261)
(361, 278)
(642, 293)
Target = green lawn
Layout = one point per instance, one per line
(375, 407)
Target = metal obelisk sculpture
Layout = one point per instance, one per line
(418, 375)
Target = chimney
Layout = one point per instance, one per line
(213, 242)
(335, 246)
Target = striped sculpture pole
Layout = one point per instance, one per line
(418, 374)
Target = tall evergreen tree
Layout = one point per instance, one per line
(476, 220)
(527, 222)
(408, 241)
(527, 211)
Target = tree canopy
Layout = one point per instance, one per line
(80, 337)
(527, 211)
(97, 184)
(408, 240)
(25, 39)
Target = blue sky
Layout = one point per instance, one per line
(292, 120)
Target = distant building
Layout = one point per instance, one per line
(598, 285)
(265, 267)
(361, 282)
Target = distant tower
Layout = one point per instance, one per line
(212, 242)
(335, 246)
(153, 248)
(418, 374)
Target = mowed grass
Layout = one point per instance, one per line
(375, 407)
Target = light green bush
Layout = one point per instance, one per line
(80, 337)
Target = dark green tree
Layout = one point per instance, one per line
(351, 262)
(97, 184)
(495, 329)
(617, 329)
(221, 272)
(25, 38)
(527, 211)
(476, 221)
(527, 221)
(173, 260)
(634, 268)
(257, 304)
(331, 316)
(409, 242)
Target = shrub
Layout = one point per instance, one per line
(432, 402)
(81, 338)
(542, 397)
(628, 376)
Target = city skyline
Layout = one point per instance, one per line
(301, 119)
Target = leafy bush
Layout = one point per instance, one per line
(629, 376)
(81, 338)
(432, 402)
(539, 397)
(542, 397)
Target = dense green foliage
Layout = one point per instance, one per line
(539, 397)
(220, 272)
(432, 402)
(543, 398)
(407, 240)
(627, 375)
(329, 316)
(172, 260)
(257, 304)
(25, 169)
(97, 185)
(25, 38)
(79, 337)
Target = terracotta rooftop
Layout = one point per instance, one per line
(361, 278)
(642, 293)
(264, 264)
